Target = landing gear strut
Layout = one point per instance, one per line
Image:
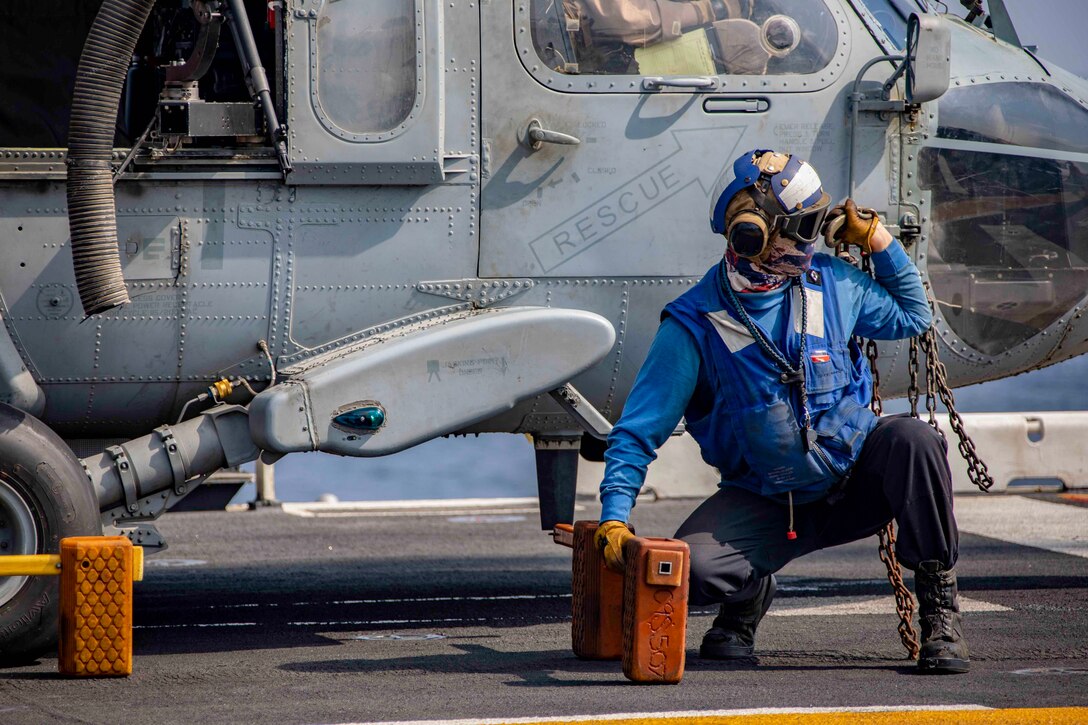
(556, 478)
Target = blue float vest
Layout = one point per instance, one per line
(751, 432)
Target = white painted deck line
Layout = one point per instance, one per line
(848, 606)
(690, 714)
(423, 507)
(1018, 520)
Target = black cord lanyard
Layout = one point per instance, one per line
(789, 374)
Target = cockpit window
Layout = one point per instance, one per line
(1017, 114)
(683, 37)
(367, 66)
(892, 16)
(1008, 253)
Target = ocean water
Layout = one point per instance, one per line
(501, 465)
(493, 465)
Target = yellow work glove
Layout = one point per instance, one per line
(849, 224)
(610, 538)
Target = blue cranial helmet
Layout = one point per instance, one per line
(788, 196)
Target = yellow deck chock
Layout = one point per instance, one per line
(96, 576)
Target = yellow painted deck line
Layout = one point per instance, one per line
(896, 715)
(1056, 716)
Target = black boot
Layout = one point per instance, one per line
(733, 634)
(943, 650)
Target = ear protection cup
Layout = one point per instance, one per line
(748, 234)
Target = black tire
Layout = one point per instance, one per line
(41, 476)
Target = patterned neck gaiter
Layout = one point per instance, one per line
(783, 258)
(786, 258)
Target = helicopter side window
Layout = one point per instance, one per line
(683, 37)
(1009, 253)
(367, 62)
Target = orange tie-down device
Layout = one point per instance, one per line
(640, 616)
(96, 579)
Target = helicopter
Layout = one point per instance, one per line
(237, 230)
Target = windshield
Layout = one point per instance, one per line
(1019, 114)
(892, 16)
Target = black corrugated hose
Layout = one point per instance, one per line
(92, 214)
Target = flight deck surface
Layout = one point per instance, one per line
(464, 615)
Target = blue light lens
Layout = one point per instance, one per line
(367, 419)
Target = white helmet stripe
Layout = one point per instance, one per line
(804, 184)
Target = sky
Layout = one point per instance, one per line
(1057, 27)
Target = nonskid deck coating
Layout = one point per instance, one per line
(268, 617)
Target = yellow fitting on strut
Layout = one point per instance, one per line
(220, 389)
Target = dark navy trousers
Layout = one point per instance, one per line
(737, 537)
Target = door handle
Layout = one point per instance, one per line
(736, 105)
(656, 83)
(536, 136)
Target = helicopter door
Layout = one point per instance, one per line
(382, 92)
(606, 124)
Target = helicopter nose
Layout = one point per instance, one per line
(1007, 171)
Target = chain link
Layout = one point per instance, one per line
(932, 384)
(904, 603)
(912, 389)
(872, 352)
(976, 467)
(936, 387)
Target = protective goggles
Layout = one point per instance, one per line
(750, 230)
(805, 225)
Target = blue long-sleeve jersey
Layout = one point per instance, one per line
(891, 307)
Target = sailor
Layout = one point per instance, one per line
(760, 358)
(645, 22)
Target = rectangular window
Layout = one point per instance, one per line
(369, 76)
(684, 37)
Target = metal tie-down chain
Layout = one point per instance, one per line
(937, 381)
(904, 603)
(936, 386)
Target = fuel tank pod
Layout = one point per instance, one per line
(394, 390)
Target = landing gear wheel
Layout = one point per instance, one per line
(44, 497)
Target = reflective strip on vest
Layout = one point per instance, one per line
(735, 336)
(815, 310)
